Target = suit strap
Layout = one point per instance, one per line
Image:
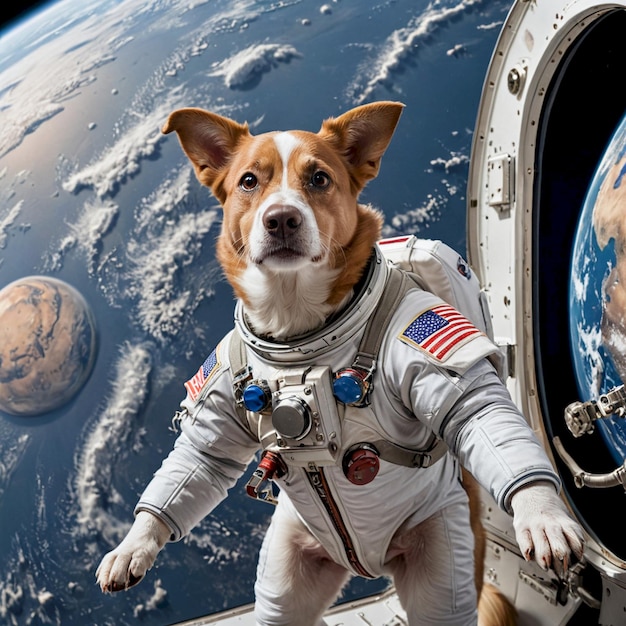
(393, 453)
(397, 285)
(241, 374)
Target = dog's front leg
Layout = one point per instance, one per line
(544, 529)
(128, 563)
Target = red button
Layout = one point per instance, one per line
(361, 466)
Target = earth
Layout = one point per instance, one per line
(598, 288)
(93, 195)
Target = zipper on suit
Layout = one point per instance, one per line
(320, 485)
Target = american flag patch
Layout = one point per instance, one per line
(439, 331)
(194, 385)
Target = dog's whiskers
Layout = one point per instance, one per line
(331, 248)
(240, 253)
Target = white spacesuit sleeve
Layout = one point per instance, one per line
(481, 425)
(492, 439)
(460, 398)
(209, 456)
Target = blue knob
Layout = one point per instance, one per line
(348, 388)
(256, 397)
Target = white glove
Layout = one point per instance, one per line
(128, 563)
(544, 528)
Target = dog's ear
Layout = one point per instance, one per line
(362, 135)
(208, 139)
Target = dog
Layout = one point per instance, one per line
(299, 251)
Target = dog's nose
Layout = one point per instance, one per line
(282, 220)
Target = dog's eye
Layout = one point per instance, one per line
(320, 179)
(248, 181)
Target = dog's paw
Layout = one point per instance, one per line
(126, 566)
(544, 529)
(123, 568)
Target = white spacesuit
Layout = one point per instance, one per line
(427, 388)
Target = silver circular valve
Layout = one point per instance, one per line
(291, 417)
(516, 78)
